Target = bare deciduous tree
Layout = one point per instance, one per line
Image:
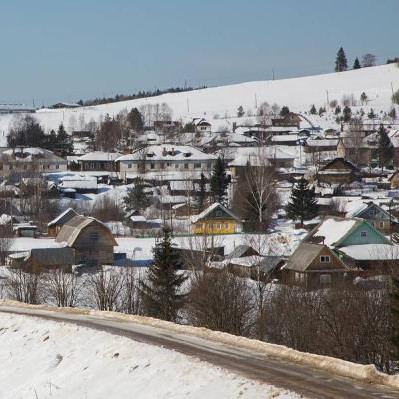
(24, 287)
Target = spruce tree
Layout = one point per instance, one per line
(202, 192)
(341, 63)
(160, 292)
(385, 148)
(303, 204)
(394, 300)
(136, 198)
(64, 141)
(135, 120)
(313, 110)
(240, 111)
(285, 111)
(219, 181)
(356, 64)
(347, 114)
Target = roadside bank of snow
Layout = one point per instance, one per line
(364, 373)
(41, 359)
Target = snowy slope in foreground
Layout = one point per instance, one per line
(45, 359)
(298, 93)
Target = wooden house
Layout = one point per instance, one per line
(339, 171)
(381, 219)
(314, 266)
(41, 259)
(216, 219)
(92, 241)
(54, 227)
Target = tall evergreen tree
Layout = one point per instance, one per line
(303, 204)
(219, 181)
(341, 63)
(64, 141)
(347, 114)
(394, 299)
(240, 111)
(136, 198)
(356, 64)
(313, 110)
(385, 148)
(135, 120)
(202, 192)
(160, 293)
(285, 111)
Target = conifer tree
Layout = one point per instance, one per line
(341, 63)
(385, 148)
(219, 181)
(160, 292)
(136, 198)
(303, 204)
(202, 192)
(285, 111)
(240, 111)
(313, 110)
(135, 120)
(64, 141)
(356, 64)
(347, 114)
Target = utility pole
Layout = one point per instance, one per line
(328, 100)
(273, 72)
(256, 101)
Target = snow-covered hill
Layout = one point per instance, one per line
(45, 359)
(298, 93)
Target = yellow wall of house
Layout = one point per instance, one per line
(218, 226)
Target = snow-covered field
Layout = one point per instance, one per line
(297, 93)
(45, 359)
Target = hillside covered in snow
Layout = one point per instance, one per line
(45, 359)
(219, 102)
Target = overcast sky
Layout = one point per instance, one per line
(55, 50)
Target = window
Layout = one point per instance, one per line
(129, 165)
(152, 166)
(218, 213)
(186, 166)
(381, 224)
(325, 259)
(94, 236)
(325, 279)
(218, 226)
(226, 225)
(209, 165)
(176, 166)
(197, 166)
(299, 277)
(363, 234)
(57, 166)
(371, 212)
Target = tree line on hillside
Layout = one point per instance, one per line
(140, 94)
(347, 321)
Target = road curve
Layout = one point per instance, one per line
(301, 379)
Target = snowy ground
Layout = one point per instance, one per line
(44, 359)
(214, 103)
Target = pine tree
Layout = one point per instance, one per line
(219, 181)
(303, 204)
(337, 110)
(356, 64)
(240, 111)
(135, 120)
(136, 198)
(285, 111)
(394, 300)
(347, 114)
(202, 192)
(341, 63)
(313, 110)
(160, 293)
(385, 148)
(64, 141)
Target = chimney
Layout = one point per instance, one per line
(164, 152)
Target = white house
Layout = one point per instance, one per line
(165, 159)
(202, 125)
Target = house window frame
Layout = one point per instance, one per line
(363, 234)
(325, 259)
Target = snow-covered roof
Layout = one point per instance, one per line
(99, 156)
(334, 229)
(167, 152)
(372, 252)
